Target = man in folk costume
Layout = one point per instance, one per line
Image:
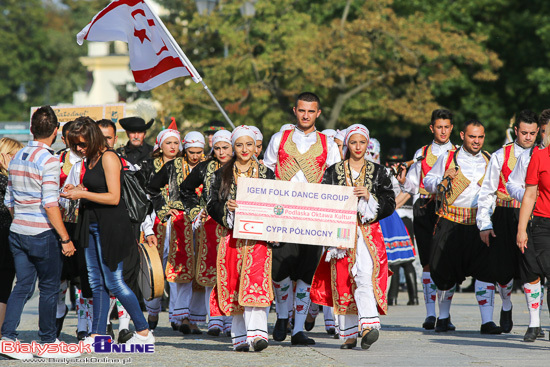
(425, 217)
(529, 268)
(136, 150)
(301, 154)
(173, 229)
(354, 281)
(457, 249)
(498, 226)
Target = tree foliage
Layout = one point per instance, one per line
(39, 54)
(368, 63)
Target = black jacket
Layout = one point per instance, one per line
(376, 180)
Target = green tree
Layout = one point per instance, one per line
(39, 54)
(367, 63)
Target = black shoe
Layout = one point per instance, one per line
(429, 323)
(349, 345)
(124, 335)
(506, 323)
(242, 348)
(413, 302)
(228, 333)
(59, 321)
(490, 328)
(531, 334)
(280, 330)
(442, 325)
(110, 331)
(451, 327)
(175, 326)
(392, 302)
(301, 339)
(81, 335)
(541, 333)
(331, 331)
(152, 324)
(260, 344)
(185, 329)
(369, 338)
(309, 325)
(196, 331)
(214, 331)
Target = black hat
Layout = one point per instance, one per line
(213, 127)
(135, 124)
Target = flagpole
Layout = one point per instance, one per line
(188, 64)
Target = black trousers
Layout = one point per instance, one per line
(457, 253)
(504, 254)
(296, 261)
(529, 268)
(540, 241)
(424, 224)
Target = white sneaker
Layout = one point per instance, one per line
(58, 354)
(89, 341)
(4, 345)
(138, 339)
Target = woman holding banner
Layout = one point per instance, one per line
(358, 291)
(243, 266)
(208, 233)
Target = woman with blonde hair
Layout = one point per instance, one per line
(8, 148)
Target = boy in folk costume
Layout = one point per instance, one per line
(498, 226)
(301, 154)
(425, 217)
(354, 281)
(530, 270)
(457, 249)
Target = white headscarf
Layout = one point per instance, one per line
(240, 131)
(355, 129)
(287, 127)
(165, 134)
(340, 134)
(330, 133)
(259, 136)
(194, 139)
(221, 135)
(374, 149)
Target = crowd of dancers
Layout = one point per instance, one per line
(72, 224)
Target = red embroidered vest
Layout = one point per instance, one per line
(290, 161)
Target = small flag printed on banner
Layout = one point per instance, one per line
(155, 58)
(251, 227)
(343, 233)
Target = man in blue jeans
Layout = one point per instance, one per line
(36, 232)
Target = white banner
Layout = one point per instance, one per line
(295, 212)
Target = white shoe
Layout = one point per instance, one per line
(138, 339)
(89, 341)
(58, 354)
(12, 355)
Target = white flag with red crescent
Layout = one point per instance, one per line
(153, 58)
